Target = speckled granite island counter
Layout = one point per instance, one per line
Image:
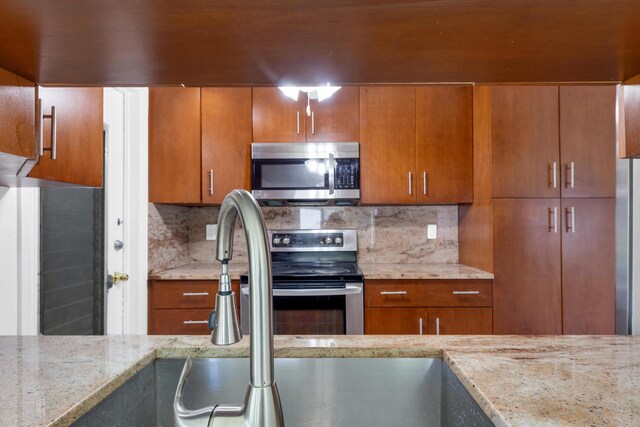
(199, 271)
(519, 381)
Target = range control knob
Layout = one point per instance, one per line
(276, 240)
(328, 240)
(338, 240)
(285, 241)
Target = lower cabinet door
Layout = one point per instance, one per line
(171, 321)
(460, 321)
(395, 321)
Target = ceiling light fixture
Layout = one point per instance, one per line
(313, 92)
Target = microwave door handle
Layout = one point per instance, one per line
(348, 290)
(332, 174)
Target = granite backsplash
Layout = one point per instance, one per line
(386, 234)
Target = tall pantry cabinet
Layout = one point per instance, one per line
(543, 212)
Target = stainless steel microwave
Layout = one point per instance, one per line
(305, 173)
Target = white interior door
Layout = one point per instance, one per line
(116, 246)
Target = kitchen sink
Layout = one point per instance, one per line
(314, 392)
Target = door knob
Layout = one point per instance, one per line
(116, 278)
(118, 244)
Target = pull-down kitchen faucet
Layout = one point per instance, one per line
(262, 402)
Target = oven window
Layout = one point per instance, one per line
(323, 315)
(297, 174)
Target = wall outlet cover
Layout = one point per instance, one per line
(432, 231)
(212, 231)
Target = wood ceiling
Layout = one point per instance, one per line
(239, 42)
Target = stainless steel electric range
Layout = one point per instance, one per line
(317, 284)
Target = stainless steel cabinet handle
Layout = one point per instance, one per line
(195, 322)
(332, 174)
(466, 292)
(553, 219)
(211, 182)
(424, 183)
(571, 219)
(195, 294)
(420, 323)
(437, 326)
(298, 122)
(555, 174)
(569, 175)
(393, 292)
(410, 183)
(54, 130)
(313, 123)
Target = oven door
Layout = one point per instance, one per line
(312, 311)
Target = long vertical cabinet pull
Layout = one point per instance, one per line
(553, 219)
(313, 123)
(424, 183)
(298, 122)
(410, 183)
(54, 129)
(570, 215)
(555, 174)
(211, 182)
(437, 326)
(420, 324)
(570, 172)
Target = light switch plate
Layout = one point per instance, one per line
(432, 231)
(212, 231)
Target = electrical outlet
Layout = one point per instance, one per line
(212, 231)
(432, 231)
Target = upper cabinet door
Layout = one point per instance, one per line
(388, 145)
(335, 119)
(525, 147)
(226, 142)
(588, 141)
(17, 116)
(174, 145)
(444, 146)
(277, 118)
(78, 136)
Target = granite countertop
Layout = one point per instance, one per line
(371, 271)
(519, 381)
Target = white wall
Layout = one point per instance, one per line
(9, 261)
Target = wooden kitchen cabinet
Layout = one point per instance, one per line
(588, 266)
(411, 306)
(17, 116)
(588, 141)
(79, 136)
(525, 151)
(181, 307)
(174, 145)
(388, 145)
(335, 119)
(460, 321)
(226, 142)
(444, 144)
(276, 117)
(527, 266)
(395, 321)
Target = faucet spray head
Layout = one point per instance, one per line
(225, 326)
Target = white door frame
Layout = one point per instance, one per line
(136, 106)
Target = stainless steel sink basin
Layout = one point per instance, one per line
(314, 392)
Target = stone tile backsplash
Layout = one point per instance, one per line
(386, 234)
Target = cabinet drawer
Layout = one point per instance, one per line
(429, 293)
(458, 293)
(179, 321)
(183, 294)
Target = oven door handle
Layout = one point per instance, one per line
(348, 290)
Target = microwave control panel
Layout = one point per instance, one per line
(347, 174)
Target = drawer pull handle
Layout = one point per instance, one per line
(466, 292)
(393, 292)
(195, 322)
(195, 294)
